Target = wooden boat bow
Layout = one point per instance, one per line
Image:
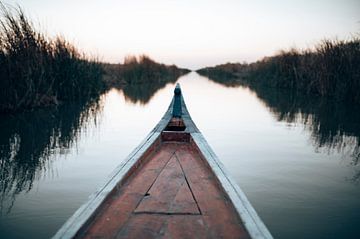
(171, 186)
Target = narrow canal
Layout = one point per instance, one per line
(296, 159)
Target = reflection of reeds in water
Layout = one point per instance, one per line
(333, 125)
(38, 71)
(140, 77)
(142, 93)
(331, 71)
(29, 141)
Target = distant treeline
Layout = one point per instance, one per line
(332, 69)
(36, 70)
(139, 70)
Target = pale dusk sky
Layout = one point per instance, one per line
(193, 33)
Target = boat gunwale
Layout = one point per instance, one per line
(247, 214)
(84, 213)
(251, 220)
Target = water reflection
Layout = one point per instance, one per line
(333, 125)
(29, 139)
(277, 168)
(142, 93)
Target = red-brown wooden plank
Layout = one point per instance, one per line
(118, 209)
(167, 177)
(143, 226)
(218, 213)
(165, 226)
(170, 193)
(186, 227)
(184, 201)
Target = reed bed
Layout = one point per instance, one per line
(331, 69)
(38, 71)
(140, 70)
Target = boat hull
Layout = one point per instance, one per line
(171, 186)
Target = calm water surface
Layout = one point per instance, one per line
(295, 159)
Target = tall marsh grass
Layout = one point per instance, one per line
(141, 70)
(36, 70)
(331, 69)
